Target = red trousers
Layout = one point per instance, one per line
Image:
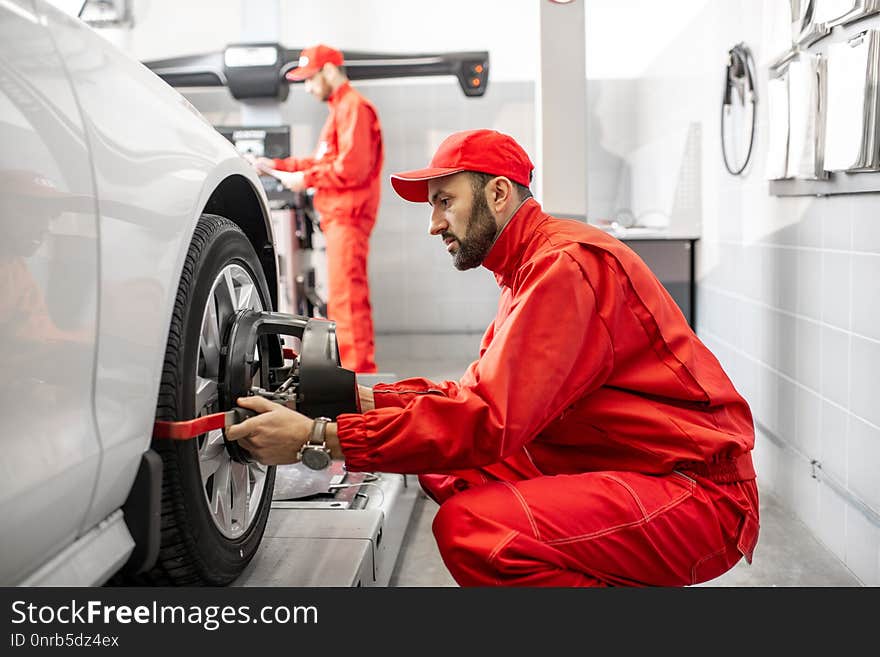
(348, 292)
(508, 525)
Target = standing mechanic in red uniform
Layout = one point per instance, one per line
(596, 441)
(344, 170)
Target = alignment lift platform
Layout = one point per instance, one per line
(333, 528)
(344, 537)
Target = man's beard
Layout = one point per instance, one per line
(479, 236)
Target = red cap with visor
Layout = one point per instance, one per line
(312, 60)
(486, 151)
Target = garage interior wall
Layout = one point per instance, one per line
(414, 288)
(788, 287)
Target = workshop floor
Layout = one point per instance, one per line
(787, 554)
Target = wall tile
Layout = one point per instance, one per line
(866, 227)
(751, 274)
(863, 462)
(725, 271)
(735, 330)
(811, 225)
(835, 290)
(389, 303)
(831, 528)
(787, 280)
(787, 233)
(865, 373)
(785, 486)
(866, 295)
(750, 328)
(786, 344)
(768, 336)
(810, 283)
(837, 224)
(786, 410)
(862, 548)
(779, 220)
(726, 321)
(766, 404)
(808, 348)
(709, 266)
(805, 489)
(735, 261)
(731, 228)
(769, 284)
(808, 407)
(835, 365)
(833, 437)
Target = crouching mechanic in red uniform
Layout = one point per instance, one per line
(344, 170)
(595, 442)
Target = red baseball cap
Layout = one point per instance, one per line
(486, 151)
(312, 60)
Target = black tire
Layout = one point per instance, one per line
(193, 550)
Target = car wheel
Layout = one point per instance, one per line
(214, 507)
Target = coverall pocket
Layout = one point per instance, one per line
(737, 512)
(686, 531)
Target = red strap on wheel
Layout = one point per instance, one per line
(190, 428)
(187, 429)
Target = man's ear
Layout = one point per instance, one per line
(500, 192)
(331, 71)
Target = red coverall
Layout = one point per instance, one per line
(596, 441)
(344, 170)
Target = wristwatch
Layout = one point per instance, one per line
(314, 453)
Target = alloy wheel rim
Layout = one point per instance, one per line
(232, 490)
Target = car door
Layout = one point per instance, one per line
(48, 301)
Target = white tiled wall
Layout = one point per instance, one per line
(788, 297)
(414, 287)
(413, 283)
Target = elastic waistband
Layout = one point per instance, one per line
(725, 471)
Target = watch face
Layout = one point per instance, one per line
(316, 458)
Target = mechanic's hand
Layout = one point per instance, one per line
(262, 164)
(365, 398)
(275, 436)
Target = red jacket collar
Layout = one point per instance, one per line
(506, 255)
(339, 93)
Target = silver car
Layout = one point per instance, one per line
(131, 231)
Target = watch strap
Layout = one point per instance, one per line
(318, 435)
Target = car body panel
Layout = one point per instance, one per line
(137, 170)
(93, 558)
(48, 299)
(156, 162)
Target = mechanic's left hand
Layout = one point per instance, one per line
(275, 436)
(262, 164)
